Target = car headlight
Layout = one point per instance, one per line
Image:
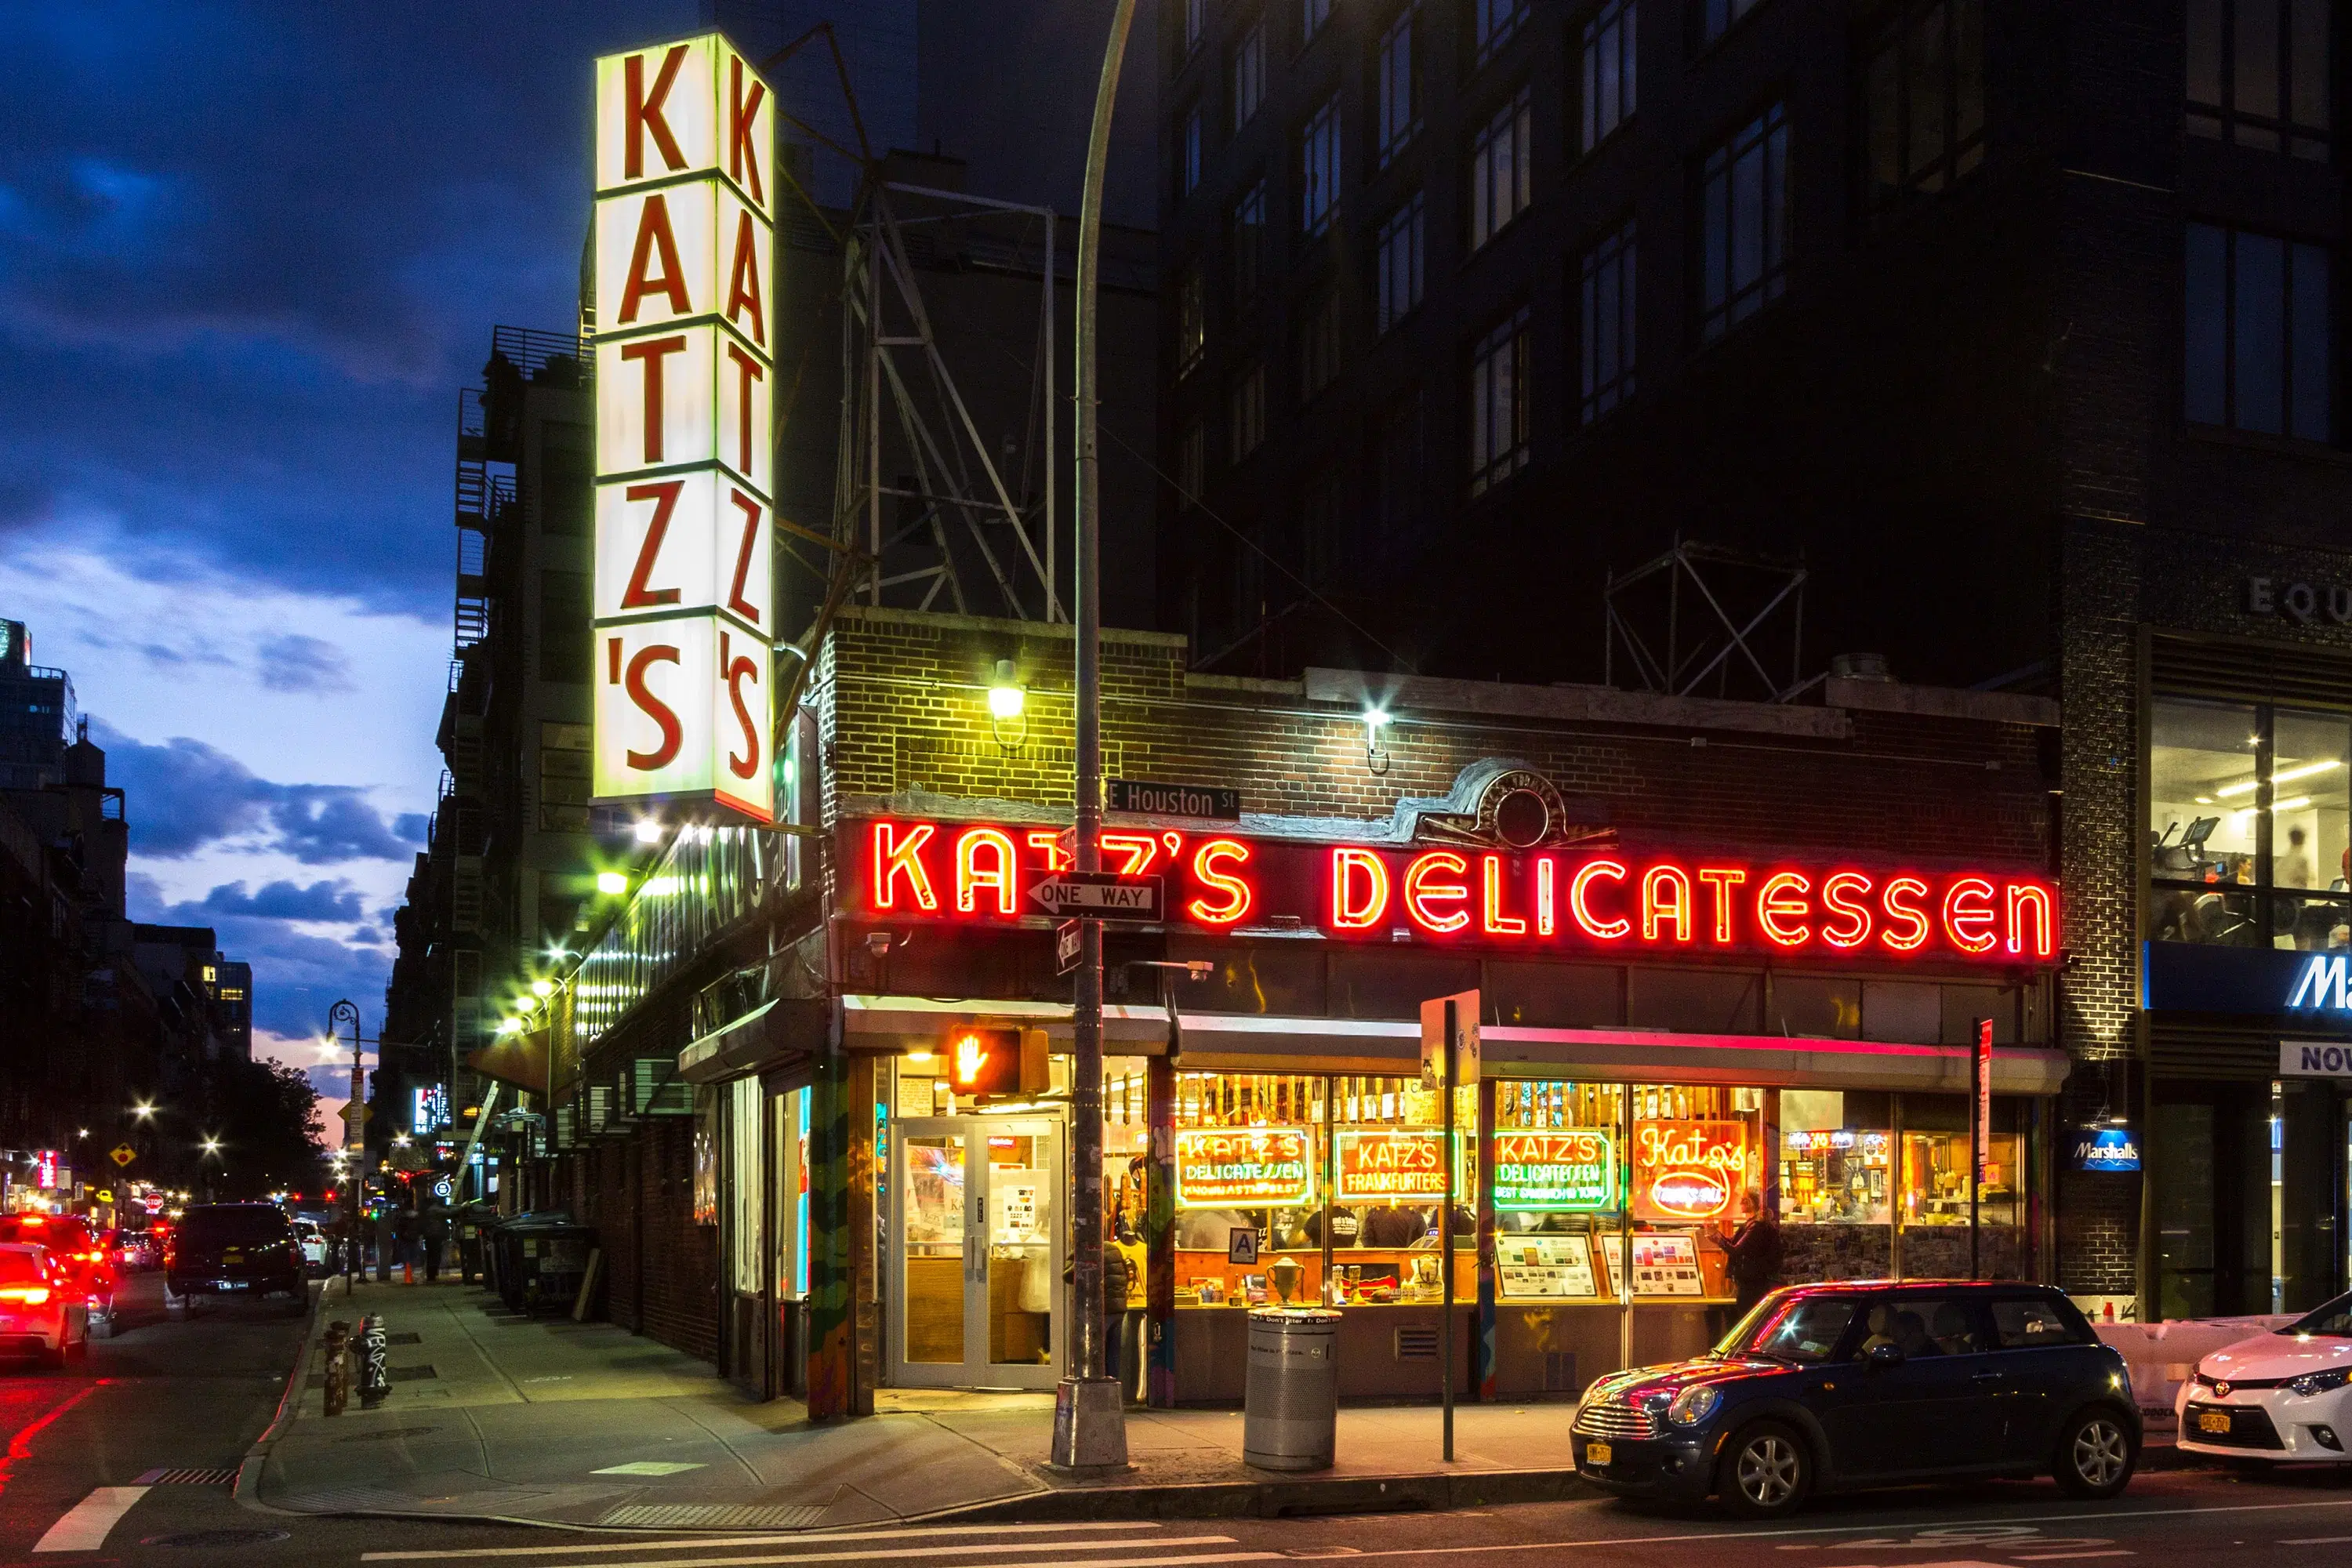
(1694, 1405)
(2313, 1383)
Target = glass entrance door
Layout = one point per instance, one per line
(977, 1252)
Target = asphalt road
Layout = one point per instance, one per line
(128, 1459)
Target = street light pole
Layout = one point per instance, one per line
(342, 1013)
(1089, 1412)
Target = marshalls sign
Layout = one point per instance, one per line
(685, 378)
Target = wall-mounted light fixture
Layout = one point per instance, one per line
(1007, 703)
(649, 830)
(1375, 721)
(611, 884)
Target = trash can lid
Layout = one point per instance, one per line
(1300, 1315)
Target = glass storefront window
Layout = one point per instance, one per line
(2238, 856)
(1833, 1172)
(1559, 1163)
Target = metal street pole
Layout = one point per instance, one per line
(1445, 1231)
(1089, 1414)
(348, 1012)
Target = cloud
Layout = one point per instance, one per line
(335, 901)
(184, 794)
(297, 663)
(412, 827)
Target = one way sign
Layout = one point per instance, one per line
(1100, 894)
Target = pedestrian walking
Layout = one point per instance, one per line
(436, 1240)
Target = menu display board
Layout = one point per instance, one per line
(1545, 1265)
(1568, 1169)
(1689, 1170)
(1378, 1164)
(1244, 1167)
(1666, 1265)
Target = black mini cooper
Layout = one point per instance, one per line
(1832, 1388)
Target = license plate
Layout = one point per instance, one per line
(2212, 1421)
(1597, 1453)
(230, 1284)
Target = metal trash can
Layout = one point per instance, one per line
(1290, 1409)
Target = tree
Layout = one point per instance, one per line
(265, 1115)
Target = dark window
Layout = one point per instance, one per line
(566, 606)
(1744, 223)
(2027, 1322)
(1319, 347)
(1397, 488)
(1246, 411)
(1249, 244)
(1196, 23)
(1923, 1326)
(1193, 464)
(1318, 167)
(1922, 102)
(1400, 97)
(1192, 320)
(2258, 74)
(1312, 15)
(1247, 76)
(1188, 155)
(1608, 70)
(1607, 321)
(2258, 337)
(567, 491)
(1715, 17)
(1499, 403)
(1492, 23)
(1501, 181)
(1403, 245)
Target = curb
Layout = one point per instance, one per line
(1435, 1492)
(249, 1470)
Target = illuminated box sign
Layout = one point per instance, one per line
(1562, 1171)
(1621, 903)
(684, 353)
(1689, 1170)
(1405, 1165)
(1834, 1141)
(1244, 1168)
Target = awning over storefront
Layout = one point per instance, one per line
(1254, 1043)
(771, 1035)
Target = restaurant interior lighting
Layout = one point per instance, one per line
(2282, 775)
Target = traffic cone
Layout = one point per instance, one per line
(407, 1273)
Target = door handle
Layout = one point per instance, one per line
(1987, 1376)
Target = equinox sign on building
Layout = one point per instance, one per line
(685, 368)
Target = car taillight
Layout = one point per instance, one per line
(31, 1295)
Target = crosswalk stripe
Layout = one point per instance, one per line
(773, 1538)
(86, 1525)
(930, 1553)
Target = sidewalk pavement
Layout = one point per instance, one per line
(546, 1421)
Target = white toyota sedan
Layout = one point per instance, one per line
(2282, 1396)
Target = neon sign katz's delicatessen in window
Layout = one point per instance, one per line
(1621, 901)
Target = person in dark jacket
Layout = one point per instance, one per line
(1754, 1252)
(436, 1230)
(1118, 1276)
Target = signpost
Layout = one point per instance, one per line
(1100, 894)
(122, 1154)
(1069, 946)
(1449, 1052)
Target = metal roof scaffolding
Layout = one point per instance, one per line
(1720, 614)
(951, 522)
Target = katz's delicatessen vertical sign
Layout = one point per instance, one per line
(685, 371)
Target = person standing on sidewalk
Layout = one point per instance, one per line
(1754, 1252)
(387, 1237)
(436, 1240)
(408, 1232)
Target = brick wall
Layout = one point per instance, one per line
(661, 1269)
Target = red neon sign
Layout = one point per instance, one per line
(1545, 901)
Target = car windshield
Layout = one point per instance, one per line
(230, 1226)
(1803, 1330)
(40, 1230)
(2335, 1319)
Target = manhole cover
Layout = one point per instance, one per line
(216, 1538)
(386, 1435)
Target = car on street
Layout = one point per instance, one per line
(134, 1250)
(77, 1251)
(42, 1313)
(2284, 1394)
(1836, 1387)
(233, 1251)
(312, 1236)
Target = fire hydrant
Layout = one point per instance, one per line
(375, 1382)
(339, 1367)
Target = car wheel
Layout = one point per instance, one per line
(2095, 1455)
(1767, 1471)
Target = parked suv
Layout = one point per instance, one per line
(1841, 1387)
(234, 1249)
(77, 1252)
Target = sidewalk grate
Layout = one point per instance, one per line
(403, 1337)
(410, 1373)
(187, 1478)
(712, 1516)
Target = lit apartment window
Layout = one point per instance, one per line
(2258, 74)
(1401, 248)
(1498, 404)
(1400, 102)
(2258, 335)
(1193, 464)
(1192, 320)
(1312, 15)
(1501, 184)
(1715, 17)
(1246, 411)
(1196, 24)
(1318, 167)
(1922, 102)
(1188, 156)
(1744, 223)
(1318, 347)
(1607, 322)
(1492, 23)
(1608, 70)
(1248, 74)
(1249, 244)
